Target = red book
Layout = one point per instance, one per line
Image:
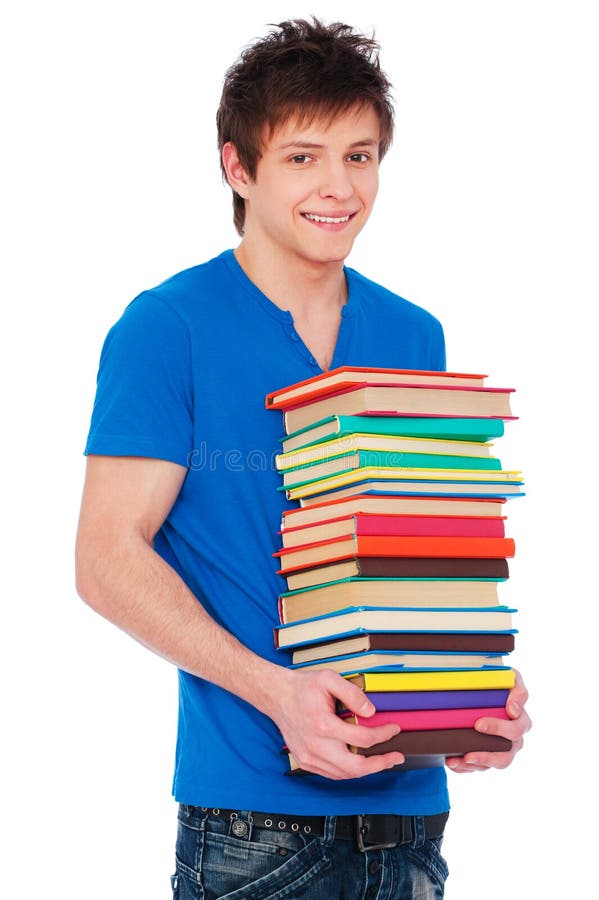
(349, 376)
(373, 524)
(323, 552)
(429, 719)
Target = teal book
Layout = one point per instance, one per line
(444, 428)
(388, 459)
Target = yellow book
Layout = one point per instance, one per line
(431, 481)
(440, 680)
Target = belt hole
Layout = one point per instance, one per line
(282, 825)
(216, 812)
(268, 822)
(295, 827)
(307, 829)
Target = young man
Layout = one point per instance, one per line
(181, 510)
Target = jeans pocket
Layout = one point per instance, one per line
(186, 880)
(273, 869)
(428, 859)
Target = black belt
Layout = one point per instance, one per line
(371, 832)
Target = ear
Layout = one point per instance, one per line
(237, 176)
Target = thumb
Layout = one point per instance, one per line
(354, 698)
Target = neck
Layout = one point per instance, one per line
(296, 285)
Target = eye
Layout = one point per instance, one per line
(300, 159)
(359, 157)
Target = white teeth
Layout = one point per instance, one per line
(328, 219)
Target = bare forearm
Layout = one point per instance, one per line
(133, 587)
(125, 502)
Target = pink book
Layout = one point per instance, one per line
(437, 526)
(430, 719)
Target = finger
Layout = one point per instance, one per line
(380, 762)
(458, 766)
(363, 736)
(336, 761)
(479, 762)
(351, 696)
(517, 697)
(512, 729)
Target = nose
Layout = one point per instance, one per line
(336, 182)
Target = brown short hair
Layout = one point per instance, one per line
(303, 68)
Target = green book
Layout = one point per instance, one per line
(444, 428)
(385, 458)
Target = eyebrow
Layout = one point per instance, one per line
(308, 145)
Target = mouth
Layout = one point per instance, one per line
(328, 220)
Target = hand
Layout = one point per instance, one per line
(514, 729)
(317, 737)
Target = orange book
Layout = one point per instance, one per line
(322, 552)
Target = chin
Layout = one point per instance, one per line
(333, 254)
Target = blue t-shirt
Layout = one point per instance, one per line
(183, 377)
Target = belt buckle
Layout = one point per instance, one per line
(362, 847)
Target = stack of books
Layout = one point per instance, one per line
(394, 556)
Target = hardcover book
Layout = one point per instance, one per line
(350, 443)
(465, 482)
(398, 460)
(450, 642)
(388, 505)
(435, 746)
(398, 567)
(429, 719)
(369, 661)
(421, 463)
(367, 523)
(420, 700)
(353, 620)
(326, 598)
(415, 490)
(425, 427)
(348, 376)
(402, 546)
(401, 399)
(448, 680)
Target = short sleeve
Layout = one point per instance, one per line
(438, 358)
(144, 395)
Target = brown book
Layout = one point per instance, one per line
(456, 643)
(444, 741)
(398, 567)
(357, 619)
(431, 748)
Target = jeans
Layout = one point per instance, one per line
(212, 861)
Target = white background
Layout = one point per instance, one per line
(487, 216)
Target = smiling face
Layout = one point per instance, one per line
(315, 186)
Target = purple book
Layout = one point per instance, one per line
(437, 699)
